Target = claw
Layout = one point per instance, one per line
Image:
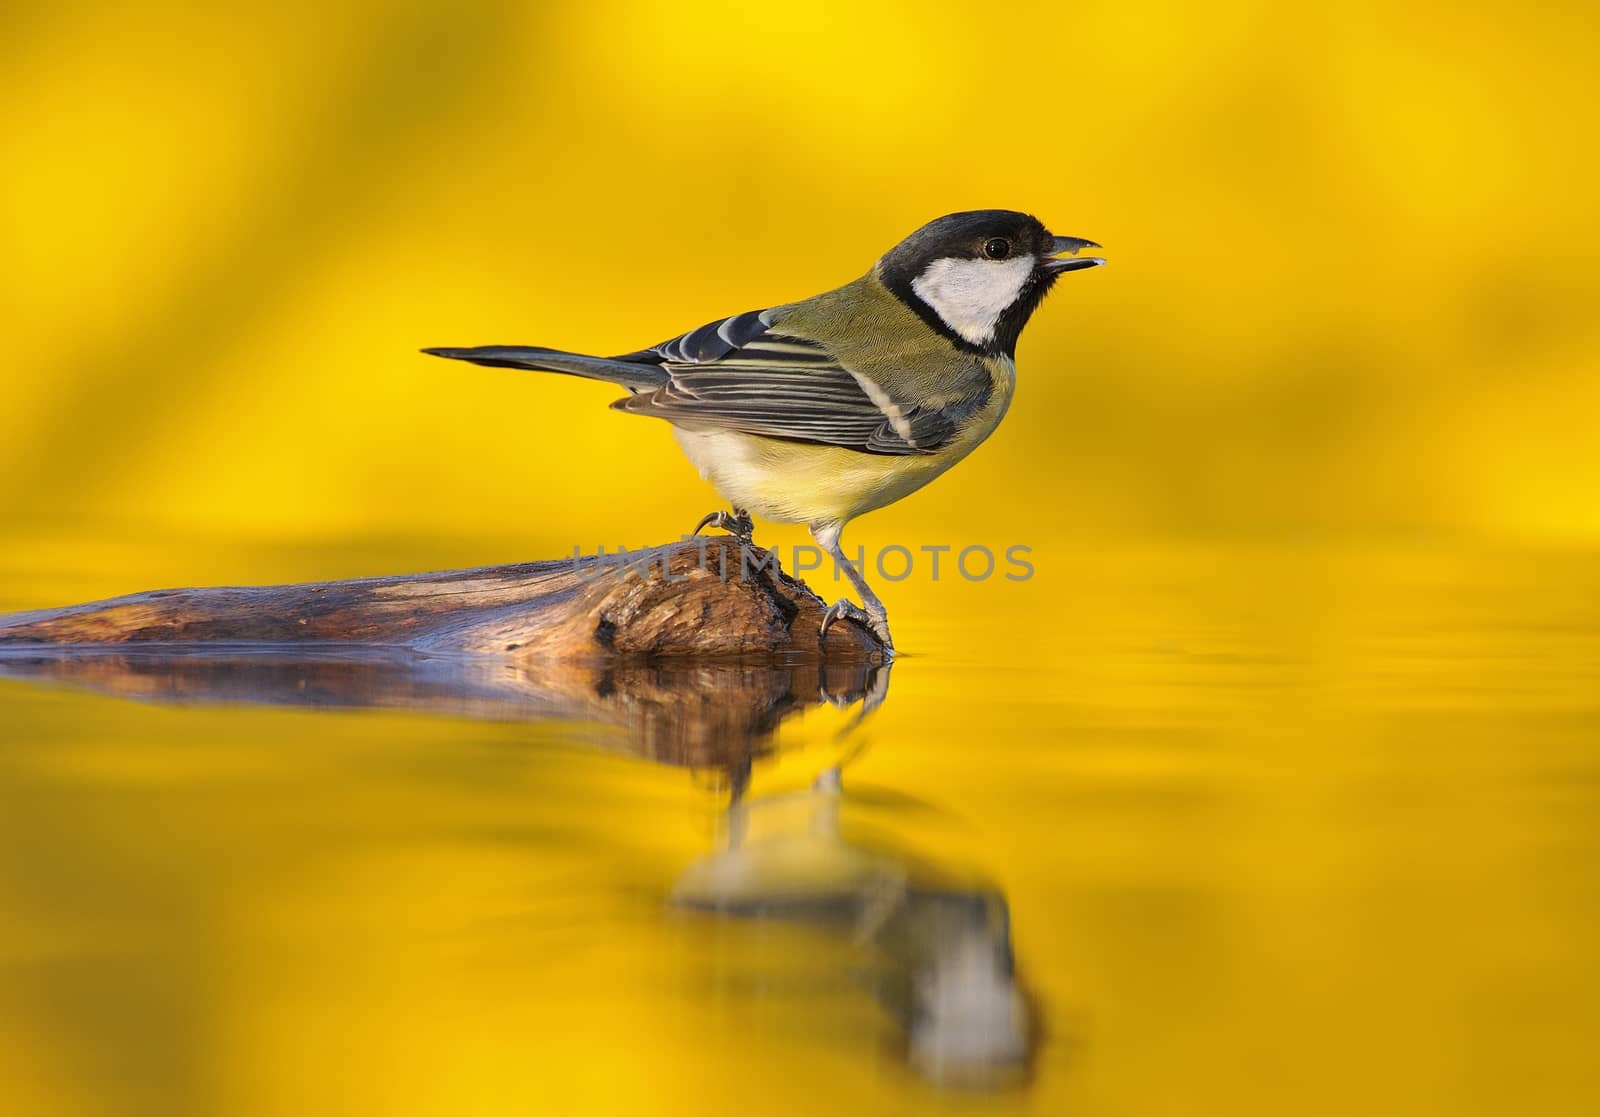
(844, 609)
(736, 523)
(880, 629)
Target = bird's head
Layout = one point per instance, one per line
(976, 277)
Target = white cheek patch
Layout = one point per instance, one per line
(970, 295)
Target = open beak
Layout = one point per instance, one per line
(1064, 255)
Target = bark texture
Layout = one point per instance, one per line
(708, 599)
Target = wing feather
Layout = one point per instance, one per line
(743, 373)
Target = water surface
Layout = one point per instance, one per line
(1203, 830)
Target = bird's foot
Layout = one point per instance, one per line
(736, 523)
(844, 609)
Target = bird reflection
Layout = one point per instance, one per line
(937, 948)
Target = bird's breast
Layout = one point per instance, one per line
(802, 482)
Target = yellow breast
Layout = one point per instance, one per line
(799, 482)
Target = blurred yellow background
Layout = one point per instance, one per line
(1284, 828)
(1352, 287)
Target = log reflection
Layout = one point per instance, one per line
(700, 715)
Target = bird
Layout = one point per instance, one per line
(817, 411)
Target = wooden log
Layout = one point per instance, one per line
(706, 599)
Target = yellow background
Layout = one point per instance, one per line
(1284, 828)
(1351, 286)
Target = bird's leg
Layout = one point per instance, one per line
(736, 523)
(875, 617)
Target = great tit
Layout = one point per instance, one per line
(817, 411)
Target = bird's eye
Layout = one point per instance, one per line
(997, 248)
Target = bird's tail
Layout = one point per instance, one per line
(639, 377)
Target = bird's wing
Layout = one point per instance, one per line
(743, 373)
(710, 342)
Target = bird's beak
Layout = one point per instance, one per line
(1068, 247)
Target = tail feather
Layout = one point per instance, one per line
(630, 375)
